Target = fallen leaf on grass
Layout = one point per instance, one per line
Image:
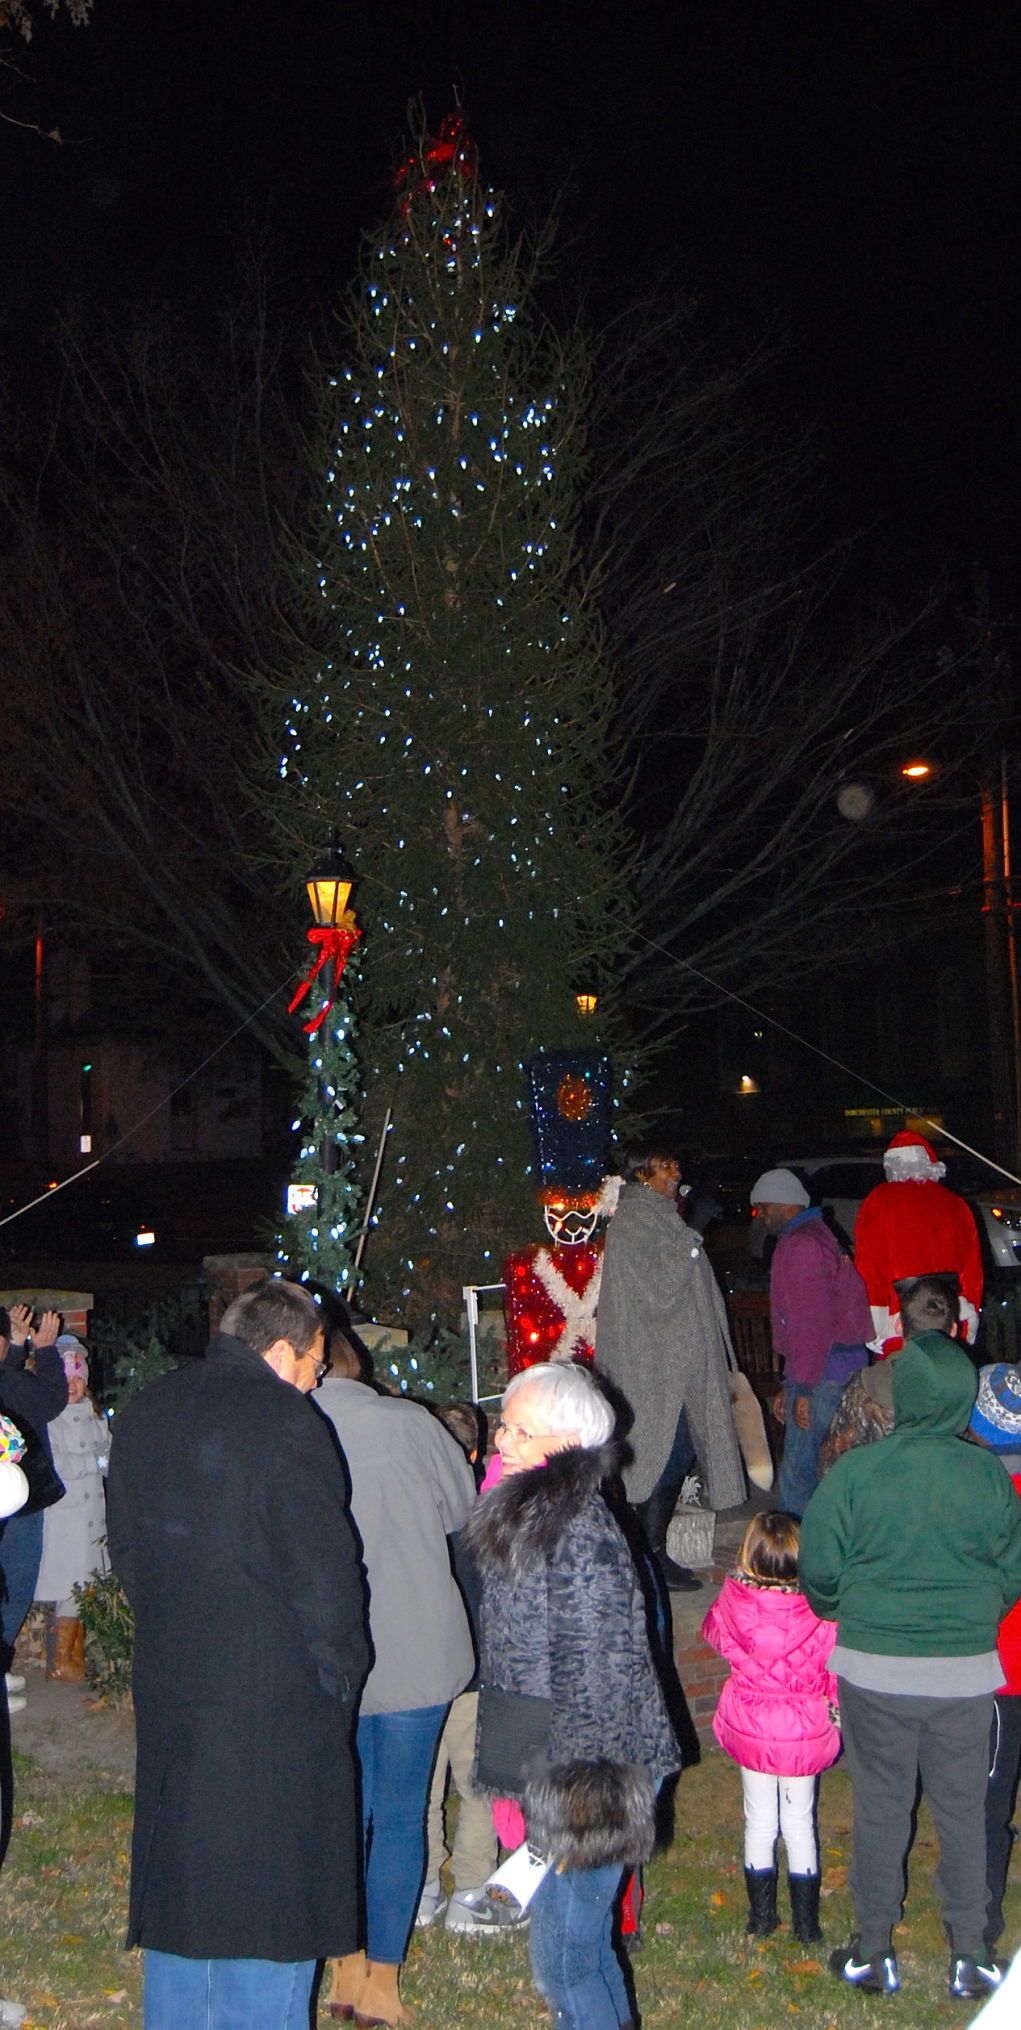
(664, 1930)
(804, 1966)
(116, 1994)
(717, 1899)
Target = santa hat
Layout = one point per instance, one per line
(910, 1159)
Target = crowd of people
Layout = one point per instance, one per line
(342, 1605)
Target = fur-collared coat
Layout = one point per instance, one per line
(564, 1619)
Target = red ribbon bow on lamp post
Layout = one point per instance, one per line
(337, 941)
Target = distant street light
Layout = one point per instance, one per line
(916, 771)
(856, 801)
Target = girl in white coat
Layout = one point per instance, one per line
(74, 1529)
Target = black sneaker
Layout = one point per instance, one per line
(972, 1980)
(877, 1976)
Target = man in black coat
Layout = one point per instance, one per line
(228, 1528)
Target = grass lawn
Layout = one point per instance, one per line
(63, 1896)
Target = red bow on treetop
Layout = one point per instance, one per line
(439, 155)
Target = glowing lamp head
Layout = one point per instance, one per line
(329, 887)
(916, 771)
(587, 1003)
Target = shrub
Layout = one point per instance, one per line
(109, 1636)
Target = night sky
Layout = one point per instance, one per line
(846, 171)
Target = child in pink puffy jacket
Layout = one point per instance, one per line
(776, 1716)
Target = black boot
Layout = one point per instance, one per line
(657, 1515)
(761, 1886)
(804, 1895)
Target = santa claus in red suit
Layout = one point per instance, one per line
(913, 1226)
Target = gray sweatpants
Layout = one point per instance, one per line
(890, 1741)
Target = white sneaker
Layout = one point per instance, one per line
(485, 1913)
(432, 1904)
(14, 1705)
(14, 1684)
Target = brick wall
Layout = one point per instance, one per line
(74, 1305)
(701, 1671)
(232, 1275)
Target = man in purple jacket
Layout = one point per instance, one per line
(821, 1322)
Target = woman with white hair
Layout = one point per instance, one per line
(572, 1719)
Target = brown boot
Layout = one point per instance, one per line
(347, 1982)
(69, 1652)
(380, 2001)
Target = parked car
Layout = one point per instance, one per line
(999, 1219)
(839, 1184)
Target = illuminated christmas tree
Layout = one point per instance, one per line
(450, 717)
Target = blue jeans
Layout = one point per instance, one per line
(573, 1959)
(396, 1752)
(183, 1994)
(799, 1467)
(21, 1552)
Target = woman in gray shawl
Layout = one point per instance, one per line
(662, 1339)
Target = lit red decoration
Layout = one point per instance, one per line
(336, 941)
(535, 1323)
(574, 1098)
(448, 153)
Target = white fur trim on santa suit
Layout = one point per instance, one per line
(889, 1337)
(909, 1156)
(912, 1166)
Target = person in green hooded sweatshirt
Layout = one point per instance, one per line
(913, 1546)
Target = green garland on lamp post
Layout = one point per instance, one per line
(319, 1235)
